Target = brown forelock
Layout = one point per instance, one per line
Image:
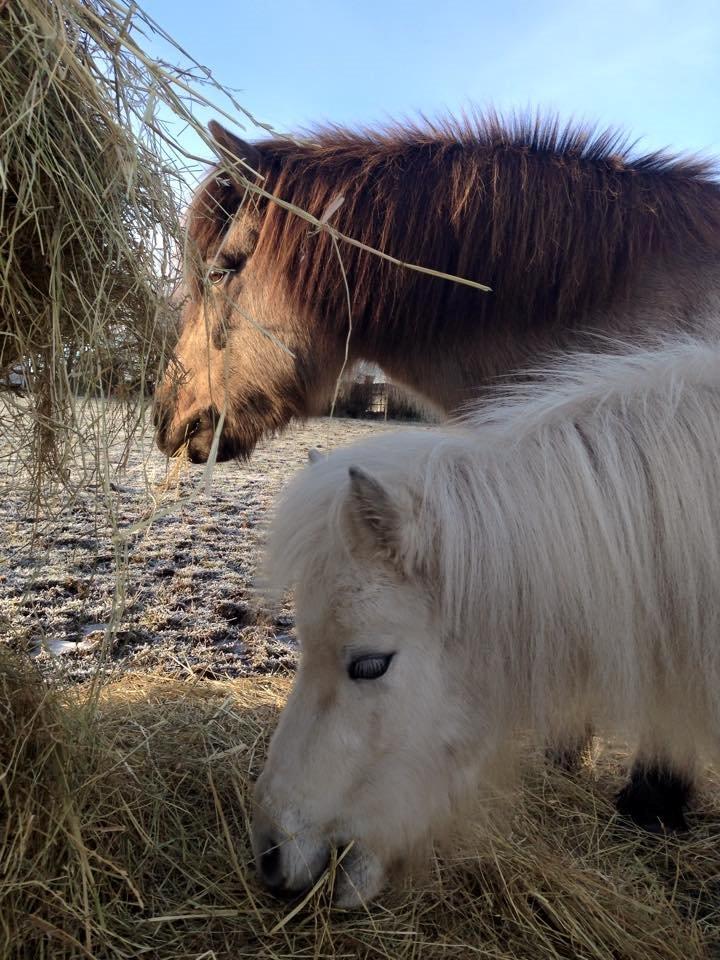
(554, 218)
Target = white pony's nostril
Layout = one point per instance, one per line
(270, 867)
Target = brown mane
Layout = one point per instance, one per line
(554, 218)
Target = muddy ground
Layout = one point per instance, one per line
(176, 595)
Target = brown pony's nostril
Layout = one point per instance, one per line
(192, 428)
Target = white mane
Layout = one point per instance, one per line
(571, 530)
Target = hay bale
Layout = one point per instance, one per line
(89, 223)
(125, 834)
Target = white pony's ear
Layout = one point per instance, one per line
(374, 515)
(314, 455)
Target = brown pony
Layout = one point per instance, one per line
(573, 235)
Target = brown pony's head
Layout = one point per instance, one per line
(243, 363)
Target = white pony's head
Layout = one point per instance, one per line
(373, 745)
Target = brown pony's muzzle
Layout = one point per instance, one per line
(168, 436)
(196, 434)
(196, 429)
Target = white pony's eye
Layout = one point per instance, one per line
(369, 667)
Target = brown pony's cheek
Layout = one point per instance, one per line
(259, 405)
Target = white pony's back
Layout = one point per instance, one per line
(571, 533)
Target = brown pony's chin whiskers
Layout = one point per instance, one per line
(200, 446)
(197, 435)
(230, 447)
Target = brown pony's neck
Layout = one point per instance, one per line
(666, 298)
(566, 226)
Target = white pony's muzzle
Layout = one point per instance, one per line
(288, 862)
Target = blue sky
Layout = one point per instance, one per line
(652, 68)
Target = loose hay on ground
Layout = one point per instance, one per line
(124, 834)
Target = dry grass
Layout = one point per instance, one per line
(124, 834)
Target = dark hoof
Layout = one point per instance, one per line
(655, 799)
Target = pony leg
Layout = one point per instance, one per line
(661, 779)
(655, 797)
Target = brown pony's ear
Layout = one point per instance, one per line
(235, 147)
(375, 518)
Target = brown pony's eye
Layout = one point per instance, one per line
(216, 276)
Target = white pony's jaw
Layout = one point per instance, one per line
(359, 878)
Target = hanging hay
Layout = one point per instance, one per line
(93, 181)
(125, 834)
(88, 232)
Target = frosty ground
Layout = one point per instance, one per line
(178, 592)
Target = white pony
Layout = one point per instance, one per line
(553, 561)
